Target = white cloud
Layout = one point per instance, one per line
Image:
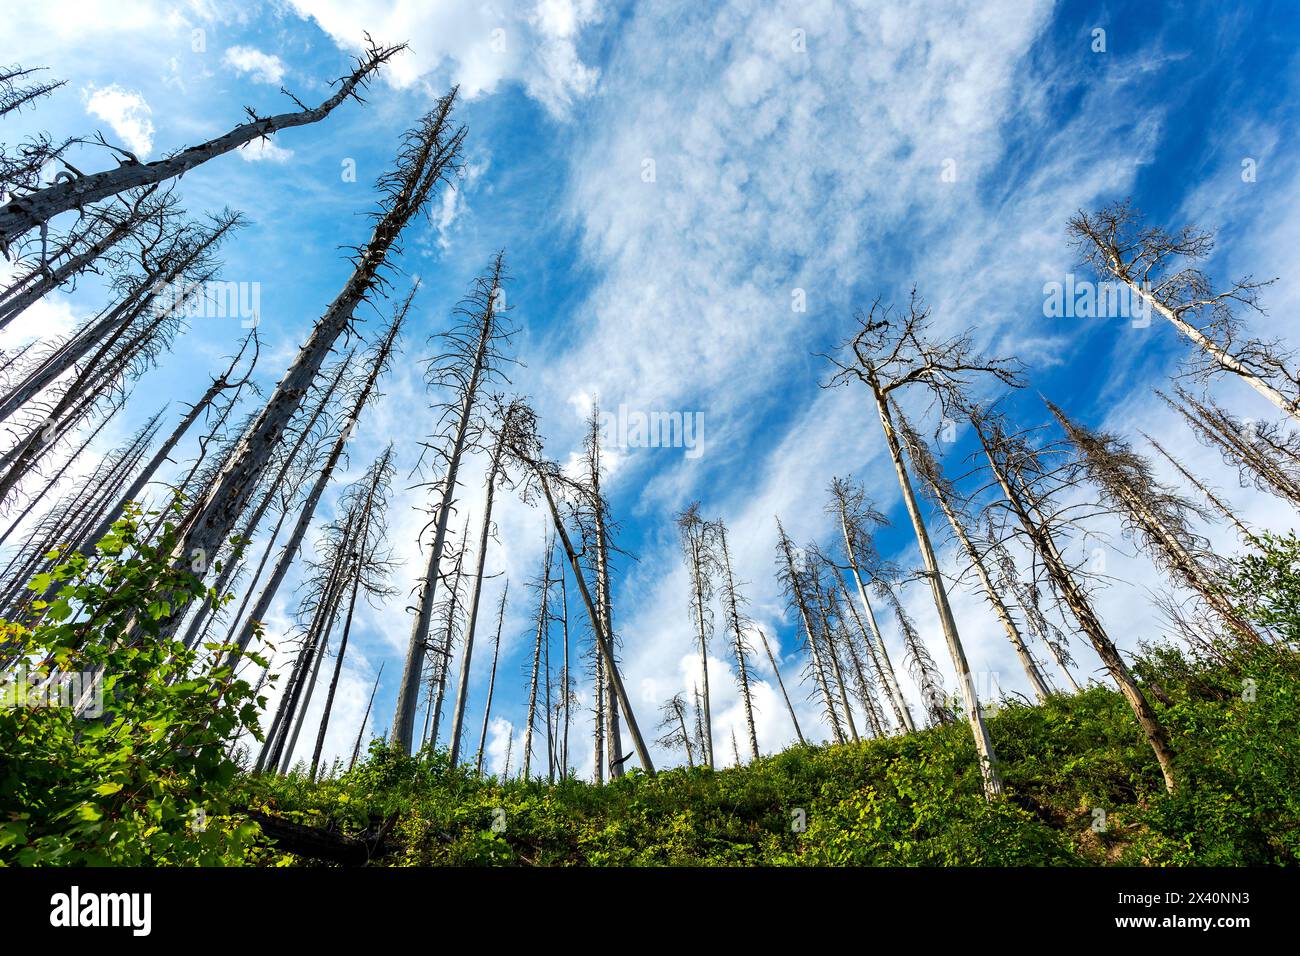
(126, 112)
(262, 67)
(475, 45)
(264, 150)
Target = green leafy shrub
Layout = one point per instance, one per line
(144, 780)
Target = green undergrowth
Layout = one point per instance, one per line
(1082, 788)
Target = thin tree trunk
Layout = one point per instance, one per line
(983, 744)
(686, 737)
(132, 493)
(895, 693)
(404, 718)
(613, 733)
(362, 545)
(781, 684)
(940, 497)
(819, 672)
(485, 531)
(308, 511)
(356, 750)
(568, 690)
(603, 641)
(702, 632)
(537, 658)
(738, 637)
(492, 681)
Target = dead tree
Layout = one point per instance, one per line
(38, 206)
(492, 679)
(871, 679)
(792, 575)
(542, 619)
(1207, 492)
(858, 520)
(21, 170)
(1158, 518)
(779, 683)
(546, 478)
(737, 623)
(365, 719)
(596, 535)
(505, 418)
(287, 455)
(872, 657)
(1029, 597)
(598, 715)
(449, 620)
(365, 504)
(175, 266)
(66, 525)
(692, 531)
(919, 662)
(1266, 456)
(42, 496)
(673, 724)
(220, 384)
(699, 718)
(946, 497)
(825, 619)
(17, 89)
(319, 607)
(98, 243)
(1015, 466)
(127, 352)
(864, 684)
(1158, 267)
(472, 355)
(377, 361)
(891, 351)
(428, 155)
(568, 691)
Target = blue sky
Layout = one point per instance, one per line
(795, 146)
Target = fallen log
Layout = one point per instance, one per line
(318, 843)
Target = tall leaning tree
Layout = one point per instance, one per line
(428, 156)
(894, 349)
(74, 190)
(472, 353)
(946, 497)
(1159, 267)
(378, 358)
(547, 479)
(1027, 486)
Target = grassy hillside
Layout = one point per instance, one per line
(148, 780)
(908, 801)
